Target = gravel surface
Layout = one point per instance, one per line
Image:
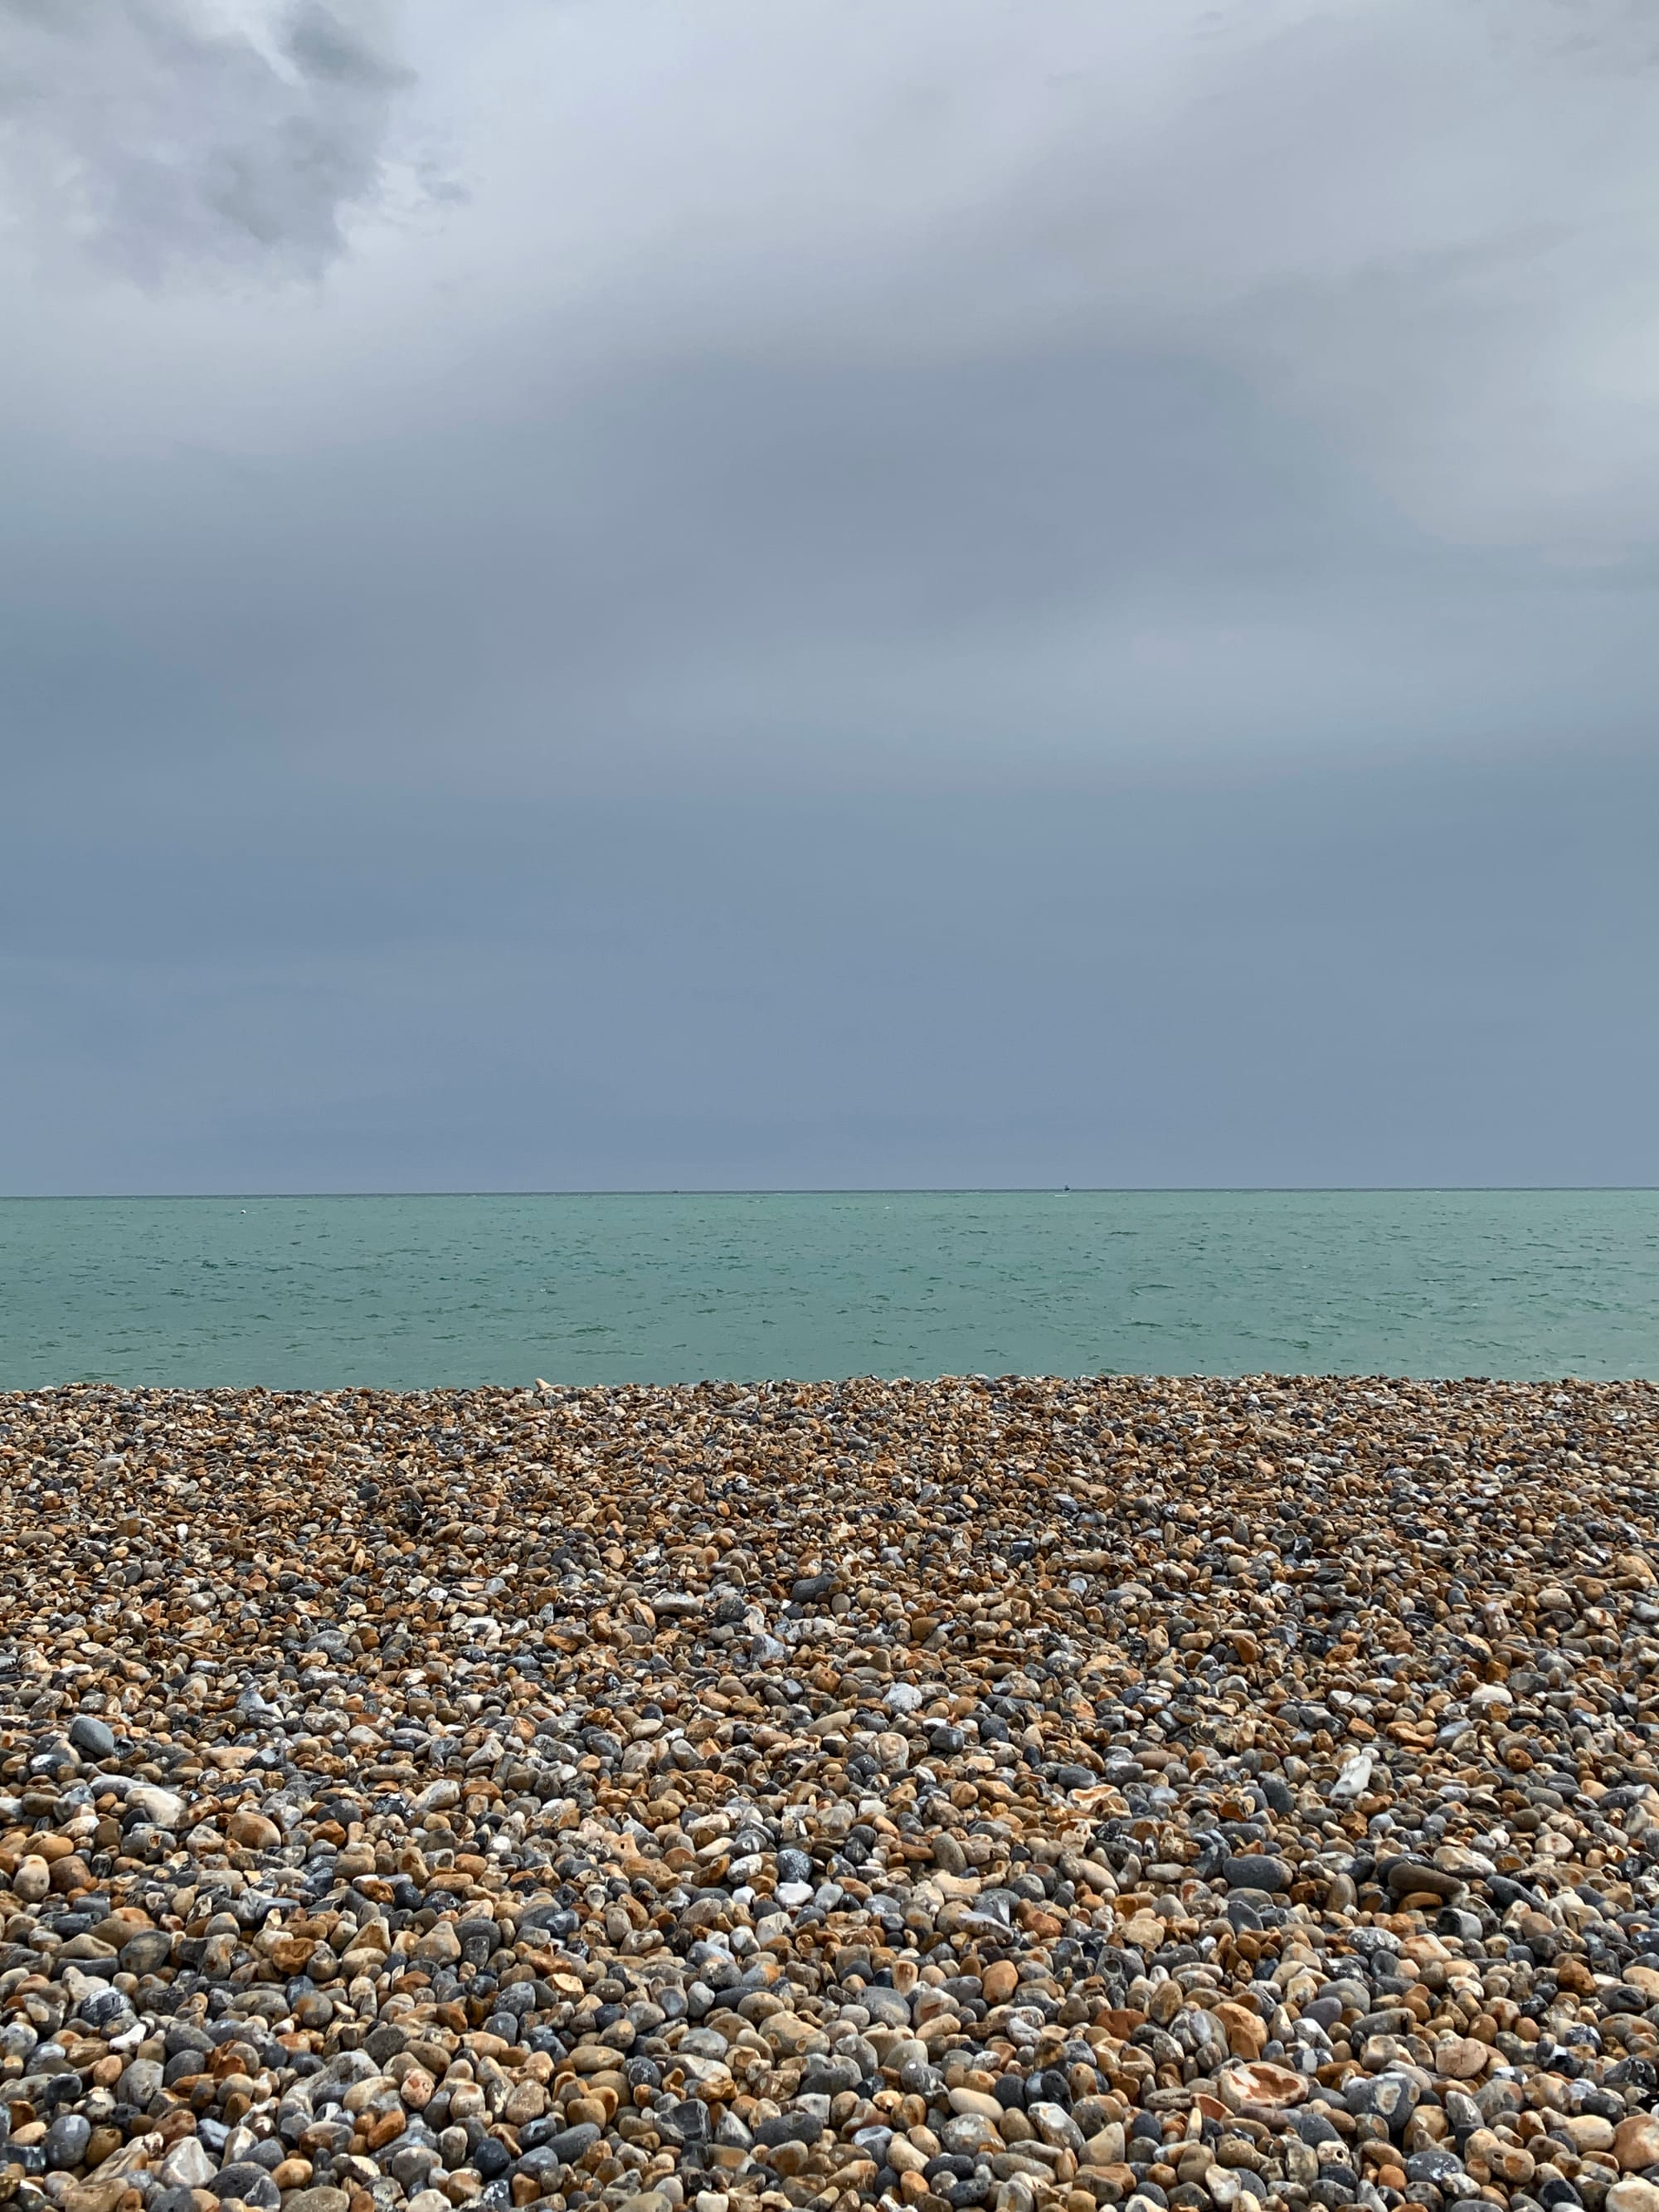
(1021, 1794)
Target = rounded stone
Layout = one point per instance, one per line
(66, 2140)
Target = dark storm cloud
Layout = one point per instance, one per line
(159, 135)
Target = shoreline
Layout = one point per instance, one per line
(1028, 1793)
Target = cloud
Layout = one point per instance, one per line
(977, 390)
(1420, 227)
(162, 137)
(483, 684)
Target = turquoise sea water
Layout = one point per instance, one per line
(418, 1292)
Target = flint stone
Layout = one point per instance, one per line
(186, 2165)
(1249, 1873)
(94, 1738)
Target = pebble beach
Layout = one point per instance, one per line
(1027, 1793)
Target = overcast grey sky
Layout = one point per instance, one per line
(711, 592)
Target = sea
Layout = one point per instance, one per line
(429, 1292)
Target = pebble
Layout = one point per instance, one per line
(1026, 1794)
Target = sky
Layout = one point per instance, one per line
(617, 594)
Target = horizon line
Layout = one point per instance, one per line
(854, 1190)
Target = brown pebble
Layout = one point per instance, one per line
(836, 1749)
